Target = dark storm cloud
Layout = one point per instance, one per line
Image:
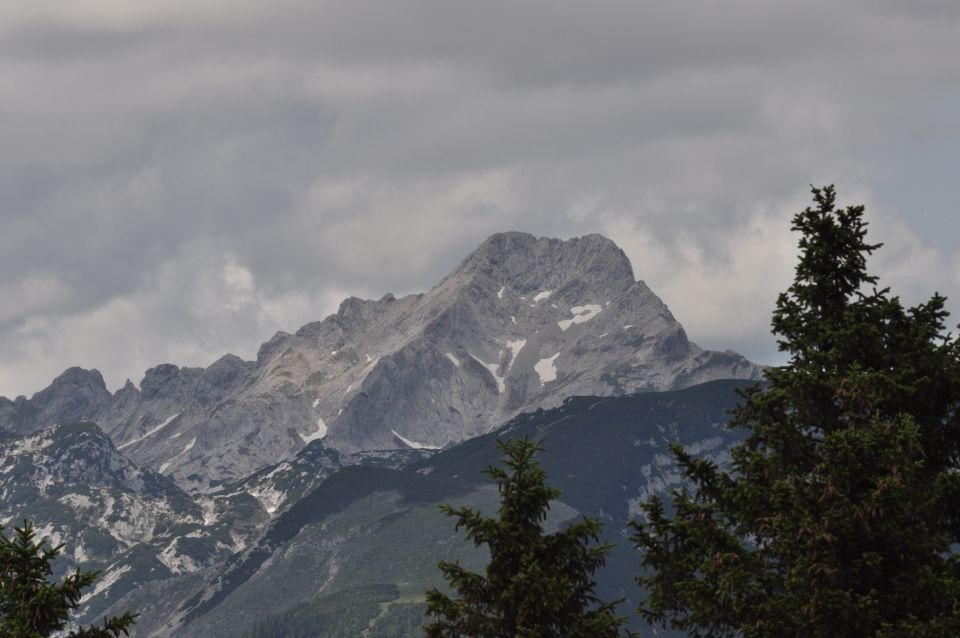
(182, 179)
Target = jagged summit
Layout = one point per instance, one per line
(527, 262)
(521, 323)
(77, 394)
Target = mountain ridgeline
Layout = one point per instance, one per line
(297, 494)
(360, 548)
(522, 323)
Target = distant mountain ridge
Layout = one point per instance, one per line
(376, 526)
(521, 323)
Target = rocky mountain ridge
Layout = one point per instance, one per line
(136, 524)
(379, 526)
(521, 323)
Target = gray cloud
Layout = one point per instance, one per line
(181, 179)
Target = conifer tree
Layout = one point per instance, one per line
(536, 585)
(840, 514)
(33, 607)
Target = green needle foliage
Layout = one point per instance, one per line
(536, 585)
(841, 513)
(33, 607)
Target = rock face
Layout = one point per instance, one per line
(75, 395)
(73, 481)
(522, 323)
(135, 525)
(377, 526)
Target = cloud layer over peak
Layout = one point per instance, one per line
(181, 179)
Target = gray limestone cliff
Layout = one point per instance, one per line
(521, 323)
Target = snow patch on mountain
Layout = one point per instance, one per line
(168, 463)
(317, 434)
(453, 359)
(581, 314)
(547, 369)
(515, 346)
(414, 444)
(150, 432)
(108, 580)
(493, 368)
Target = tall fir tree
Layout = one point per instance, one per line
(840, 514)
(33, 607)
(536, 585)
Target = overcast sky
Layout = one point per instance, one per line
(182, 178)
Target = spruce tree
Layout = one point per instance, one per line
(840, 512)
(536, 585)
(33, 607)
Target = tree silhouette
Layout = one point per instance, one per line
(840, 515)
(33, 607)
(536, 585)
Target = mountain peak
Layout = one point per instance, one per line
(81, 377)
(523, 322)
(75, 395)
(524, 262)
